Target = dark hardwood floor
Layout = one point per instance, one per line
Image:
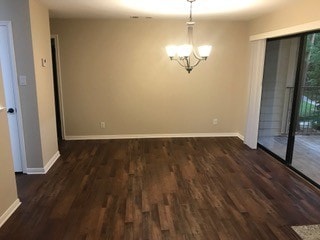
(306, 154)
(188, 188)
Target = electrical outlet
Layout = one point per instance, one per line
(102, 125)
(215, 121)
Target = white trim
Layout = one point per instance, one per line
(60, 92)
(8, 25)
(287, 31)
(6, 215)
(241, 137)
(46, 167)
(258, 49)
(51, 161)
(137, 136)
(31, 171)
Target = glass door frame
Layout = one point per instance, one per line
(295, 105)
(296, 100)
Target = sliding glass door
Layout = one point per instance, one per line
(277, 94)
(306, 151)
(289, 124)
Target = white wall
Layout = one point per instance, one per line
(290, 16)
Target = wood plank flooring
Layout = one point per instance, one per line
(188, 188)
(306, 155)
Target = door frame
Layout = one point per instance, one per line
(8, 26)
(60, 92)
(294, 115)
(296, 101)
(255, 80)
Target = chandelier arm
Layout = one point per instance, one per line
(197, 63)
(188, 66)
(187, 59)
(185, 63)
(197, 56)
(179, 61)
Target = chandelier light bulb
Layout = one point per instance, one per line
(171, 50)
(204, 51)
(184, 50)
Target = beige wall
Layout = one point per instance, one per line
(18, 13)
(300, 12)
(117, 71)
(31, 43)
(8, 191)
(40, 31)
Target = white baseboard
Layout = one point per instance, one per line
(137, 136)
(46, 168)
(51, 161)
(5, 216)
(35, 171)
(240, 136)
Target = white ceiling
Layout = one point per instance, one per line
(215, 9)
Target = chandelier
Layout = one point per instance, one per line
(185, 54)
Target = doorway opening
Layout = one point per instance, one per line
(57, 88)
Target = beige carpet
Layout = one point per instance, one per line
(308, 232)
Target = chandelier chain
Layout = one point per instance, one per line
(190, 17)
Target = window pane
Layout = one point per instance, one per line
(277, 94)
(306, 154)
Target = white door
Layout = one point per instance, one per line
(9, 76)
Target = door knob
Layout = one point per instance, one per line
(10, 110)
